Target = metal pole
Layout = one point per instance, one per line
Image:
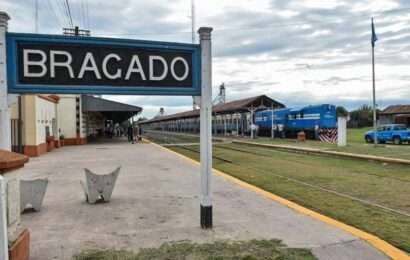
(195, 100)
(206, 126)
(237, 126)
(374, 100)
(242, 125)
(4, 250)
(224, 118)
(132, 127)
(193, 21)
(36, 16)
(20, 125)
(5, 128)
(252, 134)
(272, 131)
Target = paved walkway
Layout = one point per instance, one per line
(156, 201)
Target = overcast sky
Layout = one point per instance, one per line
(298, 52)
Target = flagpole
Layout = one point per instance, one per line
(374, 90)
(374, 101)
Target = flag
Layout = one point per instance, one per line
(374, 36)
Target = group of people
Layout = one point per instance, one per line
(132, 133)
(114, 130)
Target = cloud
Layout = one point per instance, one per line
(335, 80)
(288, 49)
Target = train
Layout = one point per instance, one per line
(315, 120)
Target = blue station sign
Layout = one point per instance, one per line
(55, 64)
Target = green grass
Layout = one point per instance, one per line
(222, 250)
(282, 172)
(356, 135)
(355, 144)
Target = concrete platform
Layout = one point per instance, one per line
(155, 201)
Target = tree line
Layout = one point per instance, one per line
(361, 117)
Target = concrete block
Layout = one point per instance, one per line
(12, 179)
(32, 193)
(99, 187)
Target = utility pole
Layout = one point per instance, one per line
(193, 21)
(36, 16)
(196, 101)
(76, 31)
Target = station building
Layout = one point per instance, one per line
(41, 123)
(396, 114)
(230, 118)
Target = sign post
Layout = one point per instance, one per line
(5, 138)
(206, 126)
(55, 64)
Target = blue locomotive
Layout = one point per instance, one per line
(287, 122)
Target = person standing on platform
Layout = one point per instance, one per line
(130, 134)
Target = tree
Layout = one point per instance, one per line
(341, 111)
(362, 117)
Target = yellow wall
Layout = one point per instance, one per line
(45, 114)
(29, 119)
(14, 111)
(37, 114)
(66, 111)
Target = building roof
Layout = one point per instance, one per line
(258, 102)
(397, 109)
(116, 111)
(242, 105)
(91, 103)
